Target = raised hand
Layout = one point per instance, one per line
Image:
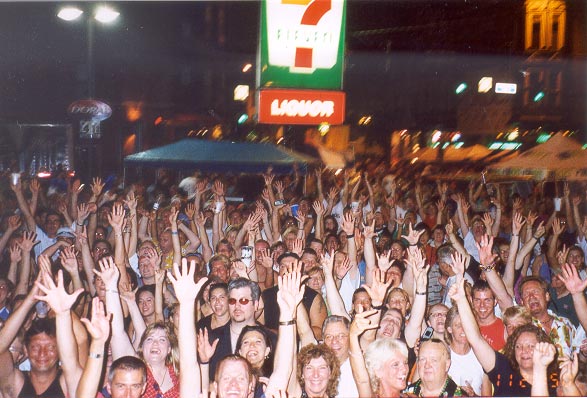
(15, 253)
(55, 294)
(83, 211)
(200, 219)
(557, 226)
(413, 236)
(540, 231)
(153, 256)
(116, 218)
(384, 261)
(34, 186)
(342, 268)
(378, 289)
(568, 369)
(241, 269)
(265, 258)
(369, 230)
(518, 222)
(361, 323)
(561, 255)
(290, 293)
(486, 256)
(99, 326)
(190, 210)
(298, 247)
(159, 276)
(348, 223)
(14, 223)
(131, 201)
(532, 216)
(318, 208)
(69, 260)
(218, 189)
(279, 187)
(570, 277)
(186, 289)
(543, 354)
(29, 240)
(449, 227)
(457, 289)
(108, 272)
(417, 262)
(173, 212)
(127, 294)
(97, 186)
(205, 349)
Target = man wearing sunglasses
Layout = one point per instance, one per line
(243, 302)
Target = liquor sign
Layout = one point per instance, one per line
(289, 106)
(302, 44)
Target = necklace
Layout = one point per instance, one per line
(159, 385)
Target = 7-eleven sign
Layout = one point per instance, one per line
(302, 43)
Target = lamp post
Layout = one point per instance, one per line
(89, 132)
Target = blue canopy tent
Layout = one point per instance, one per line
(221, 157)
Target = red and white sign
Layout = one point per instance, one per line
(311, 107)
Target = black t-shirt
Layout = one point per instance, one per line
(510, 383)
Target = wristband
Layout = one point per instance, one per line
(81, 225)
(515, 235)
(350, 236)
(112, 291)
(535, 237)
(287, 323)
(421, 293)
(94, 355)
(204, 363)
(378, 307)
(174, 232)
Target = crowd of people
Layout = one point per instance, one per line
(362, 283)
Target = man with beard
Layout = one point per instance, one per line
(243, 302)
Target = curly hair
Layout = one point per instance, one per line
(510, 346)
(314, 351)
(173, 357)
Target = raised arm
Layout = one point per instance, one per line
(136, 318)
(333, 298)
(518, 222)
(13, 224)
(542, 357)
(417, 263)
(175, 235)
(87, 259)
(29, 240)
(120, 342)
(529, 245)
(360, 325)
(24, 206)
(99, 329)
(186, 291)
(131, 203)
(289, 296)
(61, 303)
(570, 277)
(378, 292)
(117, 221)
(483, 351)
(487, 260)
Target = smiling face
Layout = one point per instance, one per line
(146, 302)
(336, 337)
(390, 325)
(524, 350)
(156, 347)
(254, 348)
(219, 301)
(393, 373)
(233, 380)
(316, 375)
(42, 352)
(398, 301)
(483, 304)
(456, 331)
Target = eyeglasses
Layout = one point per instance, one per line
(242, 301)
(438, 315)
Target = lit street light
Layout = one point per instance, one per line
(89, 130)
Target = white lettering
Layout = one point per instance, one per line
(293, 108)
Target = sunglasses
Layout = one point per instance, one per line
(242, 301)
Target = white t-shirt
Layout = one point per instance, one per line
(466, 368)
(347, 288)
(346, 384)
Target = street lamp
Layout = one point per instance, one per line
(90, 129)
(102, 14)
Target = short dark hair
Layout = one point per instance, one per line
(144, 288)
(40, 326)
(128, 363)
(239, 283)
(480, 285)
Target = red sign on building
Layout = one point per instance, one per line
(290, 106)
